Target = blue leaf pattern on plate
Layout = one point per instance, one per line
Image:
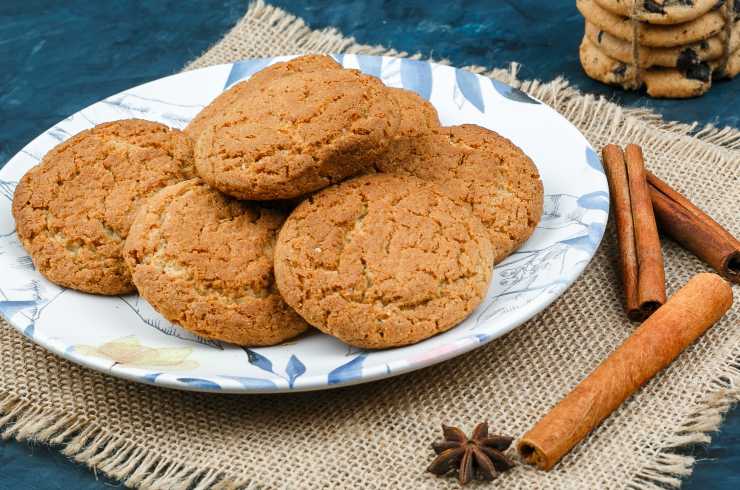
(199, 383)
(295, 368)
(58, 133)
(245, 69)
(25, 263)
(151, 377)
(417, 76)
(595, 200)
(512, 93)
(582, 242)
(129, 105)
(595, 232)
(593, 161)
(151, 318)
(470, 88)
(370, 65)
(339, 58)
(252, 383)
(348, 371)
(259, 360)
(570, 229)
(10, 308)
(7, 188)
(480, 338)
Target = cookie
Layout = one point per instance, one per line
(482, 170)
(680, 56)
(382, 261)
(418, 115)
(659, 36)
(241, 91)
(301, 64)
(297, 134)
(659, 82)
(660, 11)
(418, 119)
(204, 261)
(731, 68)
(73, 210)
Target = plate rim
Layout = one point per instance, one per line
(318, 382)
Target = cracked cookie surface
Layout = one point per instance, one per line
(302, 131)
(73, 210)
(418, 119)
(482, 170)
(242, 91)
(382, 261)
(205, 261)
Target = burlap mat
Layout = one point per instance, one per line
(378, 435)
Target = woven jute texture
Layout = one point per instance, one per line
(378, 435)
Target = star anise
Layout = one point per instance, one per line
(481, 457)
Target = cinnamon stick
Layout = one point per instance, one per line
(616, 176)
(640, 256)
(691, 227)
(650, 271)
(650, 348)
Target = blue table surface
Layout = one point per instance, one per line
(58, 57)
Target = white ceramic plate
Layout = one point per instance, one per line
(123, 336)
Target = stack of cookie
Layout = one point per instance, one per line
(675, 48)
(253, 224)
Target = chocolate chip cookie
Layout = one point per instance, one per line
(660, 36)
(660, 11)
(681, 57)
(659, 82)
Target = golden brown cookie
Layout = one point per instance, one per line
(418, 119)
(659, 36)
(297, 134)
(660, 11)
(301, 64)
(73, 210)
(659, 82)
(204, 261)
(731, 68)
(241, 92)
(682, 57)
(382, 261)
(418, 115)
(484, 171)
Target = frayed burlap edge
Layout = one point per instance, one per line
(120, 459)
(94, 446)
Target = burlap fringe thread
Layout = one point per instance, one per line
(88, 443)
(557, 93)
(123, 460)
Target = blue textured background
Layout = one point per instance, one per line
(58, 57)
